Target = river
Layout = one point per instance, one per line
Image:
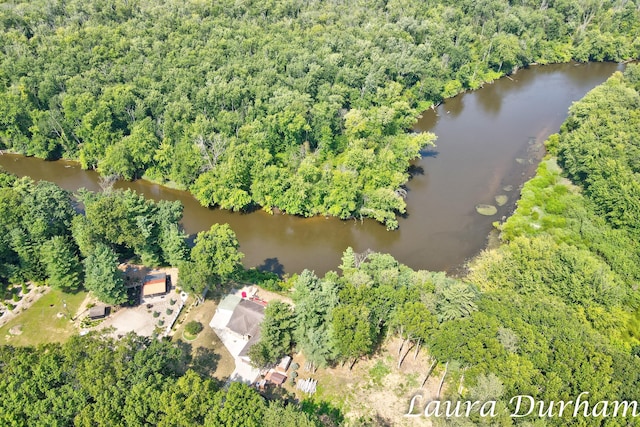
(488, 140)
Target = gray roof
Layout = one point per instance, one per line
(246, 318)
(254, 339)
(98, 311)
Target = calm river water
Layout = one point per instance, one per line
(488, 140)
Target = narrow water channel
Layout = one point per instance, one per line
(489, 143)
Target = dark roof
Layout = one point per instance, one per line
(246, 318)
(98, 311)
(277, 378)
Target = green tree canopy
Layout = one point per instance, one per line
(214, 258)
(102, 276)
(276, 334)
(62, 264)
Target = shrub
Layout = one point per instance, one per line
(169, 311)
(378, 372)
(156, 313)
(193, 328)
(265, 279)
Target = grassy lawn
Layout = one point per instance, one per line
(40, 322)
(209, 354)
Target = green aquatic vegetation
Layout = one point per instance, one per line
(502, 199)
(486, 210)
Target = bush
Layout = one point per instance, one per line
(193, 328)
(156, 313)
(169, 311)
(172, 302)
(272, 285)
(265, 279)
(161, 322)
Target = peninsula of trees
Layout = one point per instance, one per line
(303, 106)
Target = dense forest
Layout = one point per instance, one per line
(552, 312)
(135, 381)
(303, 106)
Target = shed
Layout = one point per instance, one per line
(277, 378)
(283, 366)
(98, 312)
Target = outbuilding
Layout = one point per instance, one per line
(98, 312)
(154, 285)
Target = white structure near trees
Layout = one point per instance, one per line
(237, 323)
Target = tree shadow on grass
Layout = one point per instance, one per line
(376, 420)
(205, 361)
(328, 414)
(202, 360)
(185, 357)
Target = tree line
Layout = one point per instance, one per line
(339, 319)
(300, 106)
